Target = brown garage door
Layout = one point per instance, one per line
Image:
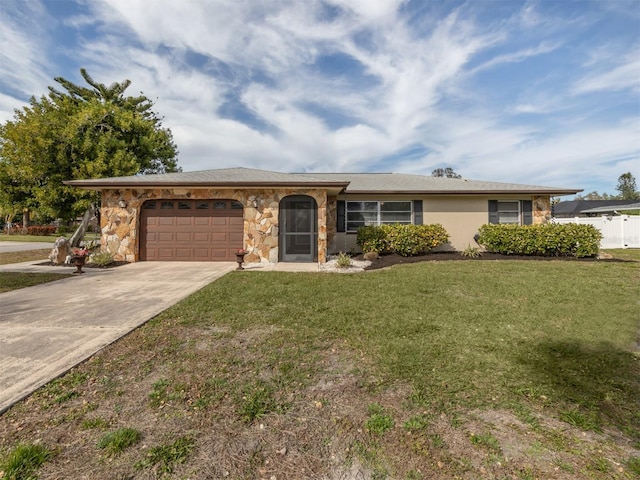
(191, 230)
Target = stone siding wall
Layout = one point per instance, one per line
(120, 218)
(541, 209)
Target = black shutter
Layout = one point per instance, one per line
(527, 212)
(417, 212)
(340, 216)
(493, 211)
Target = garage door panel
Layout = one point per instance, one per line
(201, 236)
(184, 237)
(167, 237)
(178, 230)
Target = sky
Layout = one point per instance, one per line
(534, 92)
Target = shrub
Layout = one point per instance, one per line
(405, 240)
(371, 239)
(550, 240)
(343, 260)
(41, 230)
(102, 259)
(471, 252)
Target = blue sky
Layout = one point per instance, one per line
(536, 92)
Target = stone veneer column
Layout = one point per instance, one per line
(541, 209)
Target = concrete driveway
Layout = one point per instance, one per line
(47, 329)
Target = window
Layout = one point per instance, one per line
(517, 212)
(360, 214)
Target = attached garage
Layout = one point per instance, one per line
(191, 230)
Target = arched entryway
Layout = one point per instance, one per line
(298, 240)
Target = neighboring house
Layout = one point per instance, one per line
(290, 217)
(614, 209)
(583, 208)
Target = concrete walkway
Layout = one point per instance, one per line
(47, 329)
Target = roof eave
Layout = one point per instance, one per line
(464, 192)
(96, 185)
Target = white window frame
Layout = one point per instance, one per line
(378, 220)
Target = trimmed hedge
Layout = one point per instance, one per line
(549, 240)
(405, 240)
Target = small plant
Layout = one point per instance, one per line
(343, 260)
(102, 259)
(585, 421)
(166, 456)
(634, 465)
(115, 442)
(257, 400)
(417, 423)
(486, 440)
(23, 461)
(472, 252)
(91, 423)
(379, 421)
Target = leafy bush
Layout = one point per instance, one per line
(102, 259)
(41, 230)
(372, 239)
(550, 240)
(405, 240)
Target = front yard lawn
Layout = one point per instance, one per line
(439, 370)
(24, 256)
(14, 280)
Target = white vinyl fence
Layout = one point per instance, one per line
(619, 231)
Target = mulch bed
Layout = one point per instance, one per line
(394, 259)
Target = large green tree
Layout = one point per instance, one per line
(627, 187)
(78, 133)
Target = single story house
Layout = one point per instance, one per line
(294, 217)
(587, 208)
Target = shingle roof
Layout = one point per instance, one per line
(351, 182)
(219, 177)
(407, 183)
(612, 208)
(573, 207)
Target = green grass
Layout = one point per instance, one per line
(167, 455)
(23, 462)
(485, 331)
(117, 441)
(624, 253)
(457, 353)
(14, 280)
(7, 258)
(28, 238)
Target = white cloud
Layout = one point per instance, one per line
(624, 75)
(244, 100)
(23, 42)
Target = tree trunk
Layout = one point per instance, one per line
(26, 218)
(78, 235)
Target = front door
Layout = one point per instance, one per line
(298, 229)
